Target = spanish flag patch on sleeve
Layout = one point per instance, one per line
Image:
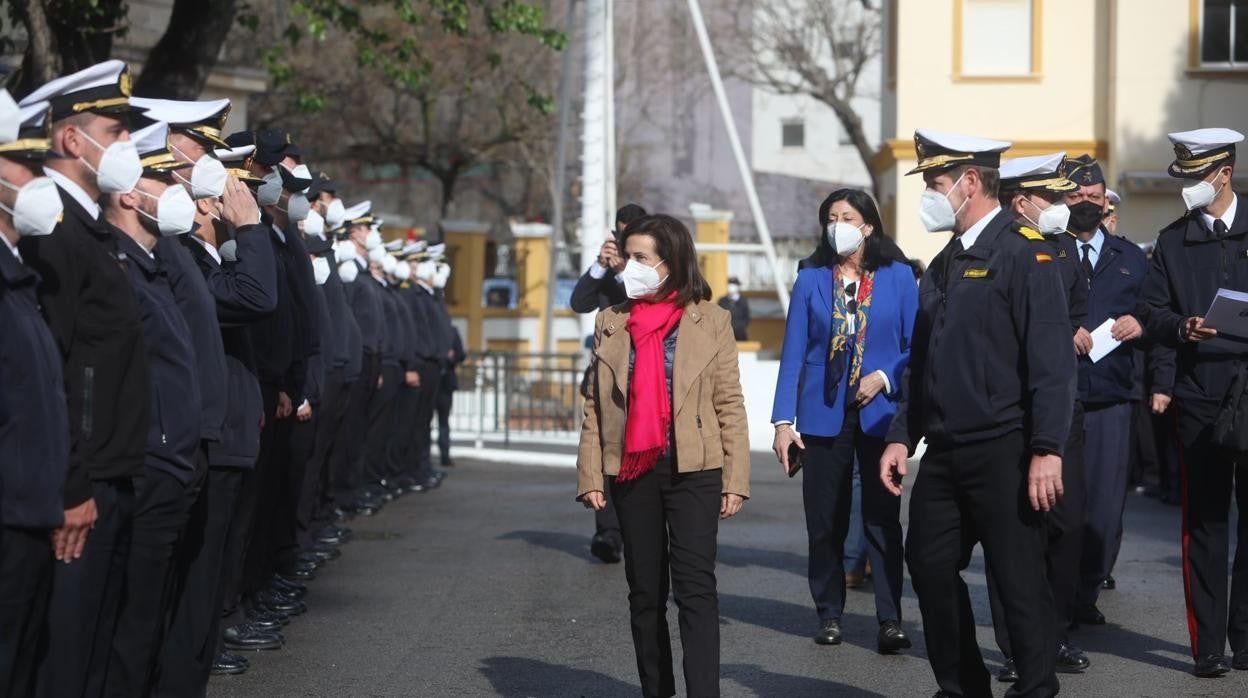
(1043, 257)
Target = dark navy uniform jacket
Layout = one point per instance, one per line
(439, 323)
(392, 326)
(413, 296)
(245, 292)
(992, 351)
(94, 317)
(1190, 263)
(344, 339)
(1073, 279)
(174, 428)
(364, 298)
(34, 424)
(199, 309)
(284, 341)
(1117, 280)
(408, 357)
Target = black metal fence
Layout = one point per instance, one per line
(505, 397)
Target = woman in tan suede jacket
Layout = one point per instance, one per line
(665, 421)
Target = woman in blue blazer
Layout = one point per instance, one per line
(846, 346)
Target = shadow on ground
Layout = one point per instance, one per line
(521, 677)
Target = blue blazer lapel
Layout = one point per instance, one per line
(825, 288)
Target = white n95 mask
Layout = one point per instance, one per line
(119, 168)
(208, 177)
(270, 192)
(38, 207)
(335, 214)
(320, 270)
(348, 271)
(845, 238)
(175, 211)
(314, 224)
(937, 214)
(640, 281)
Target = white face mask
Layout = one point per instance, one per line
(175, 211)
(1053, 220)
(38, 207)
(388, 264)
(208, 176)
(734, 290)
(845, 238)
(302, 172)
(348, 271)
(640, 281)
(426, 271)
(228, 251)
(270, 192)
(320, 270)
(441, 276)
(344, 251)
(377, 255)
(297, 207)
(937, 214)
(373, 241)
(402, 271)
(335, 214)
(119, 168)
(314, 224)
(1200, 195)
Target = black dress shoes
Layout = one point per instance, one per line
(1071, 660)
(323, 552)
(333, 535)
(1240, 660)
(289, 589)
(892, 638)
(448, 463)
(269, 601)
(1211, 665)
(829, 632)
(227, 663)
(245, 636)
(1109, 583)
(1008, 673)
(1089, 615)
(606, 547)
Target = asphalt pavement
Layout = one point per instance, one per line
(486, 587)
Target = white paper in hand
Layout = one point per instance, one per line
(1228, 314)
(1102, 341)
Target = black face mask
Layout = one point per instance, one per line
(1085, 216)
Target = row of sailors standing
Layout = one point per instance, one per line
(208, 364)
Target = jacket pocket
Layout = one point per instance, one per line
(88, 401)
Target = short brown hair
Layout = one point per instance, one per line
(990, 176)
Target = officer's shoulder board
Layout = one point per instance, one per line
(1030, 233)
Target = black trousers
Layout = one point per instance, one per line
(162, 507)
(316, 500)
(400, 448)
(1209, 476)
(446, 399)
(195, 622)
(242, 531)
(827, 487)
(273, 519)
(381, 424)
(1063, 537)
(82, 608)
(302, 482)
(327, 502)
(347, 457)
(430, 386)
(977, 493)
(670, 523)
(25, 575)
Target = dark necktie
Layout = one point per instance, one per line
(1219, 228)
(1087, 260)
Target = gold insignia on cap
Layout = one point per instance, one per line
(1182, 152)
(288, 139)
(124, 82)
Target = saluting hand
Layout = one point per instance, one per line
(1044, 481)
(238, 206)
(595, 500)
(893, 467)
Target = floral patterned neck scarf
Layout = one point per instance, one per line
(845, 350)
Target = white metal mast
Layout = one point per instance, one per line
(597, 179)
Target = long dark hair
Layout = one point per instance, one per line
(878, 249)
(674, 245)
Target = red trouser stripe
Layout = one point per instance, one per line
(1187, 537)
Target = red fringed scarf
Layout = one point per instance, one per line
(649, 419)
